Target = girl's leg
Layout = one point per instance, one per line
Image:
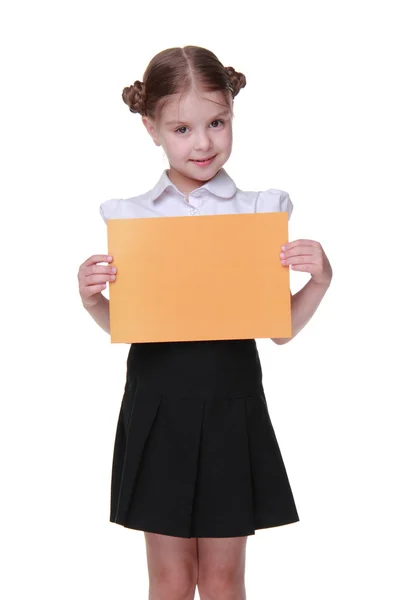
(221, 568)
(172, 565)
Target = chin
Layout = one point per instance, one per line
(205, 173)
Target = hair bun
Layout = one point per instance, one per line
(134, 97)
(238, 80)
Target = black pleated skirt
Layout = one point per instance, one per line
(195, 452)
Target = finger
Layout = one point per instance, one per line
(97, 269)
(297, 243)
(299, 251)
(96, 258)
(300, 259)
(92, 290)
(309, 268)
(86, 272)
(98, 278)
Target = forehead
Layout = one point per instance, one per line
(196, 104)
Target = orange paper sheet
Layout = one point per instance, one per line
(199, 278)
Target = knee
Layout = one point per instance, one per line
(219, 583)
(173, 584)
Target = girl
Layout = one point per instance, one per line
(196, 463)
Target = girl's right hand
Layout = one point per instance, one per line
(93, 278)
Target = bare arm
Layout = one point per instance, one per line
(307, 256)
(100, 312)
(93, 278)
(304, 304)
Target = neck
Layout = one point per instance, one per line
(185, 184)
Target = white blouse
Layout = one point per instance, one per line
(218, 196)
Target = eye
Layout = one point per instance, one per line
(179, 130)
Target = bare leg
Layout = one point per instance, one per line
(172, 566)
(222, 568)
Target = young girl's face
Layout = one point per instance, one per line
(190, 128)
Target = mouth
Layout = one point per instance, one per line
(205, 161)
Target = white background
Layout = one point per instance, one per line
(319, 118)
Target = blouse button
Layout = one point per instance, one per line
(194, 211)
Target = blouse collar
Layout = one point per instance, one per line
(220, 185)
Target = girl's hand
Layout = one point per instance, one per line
(308, 256)
(92, 278)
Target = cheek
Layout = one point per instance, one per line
(227, 138)
(178, 146)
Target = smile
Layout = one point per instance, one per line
(203, 161)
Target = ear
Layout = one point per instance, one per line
(151, 129)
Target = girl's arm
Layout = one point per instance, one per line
(304, 304)
(100, 312)
(92, 278)
(307, 256)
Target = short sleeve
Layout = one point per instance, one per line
(286, 204)
(109, 209)
(273, 200)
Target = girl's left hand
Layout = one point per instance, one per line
(308, 256)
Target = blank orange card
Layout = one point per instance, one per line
(214, 277)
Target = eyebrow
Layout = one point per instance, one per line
(220, 114)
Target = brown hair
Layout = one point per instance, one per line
(176, 70)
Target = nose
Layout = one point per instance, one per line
(203, 141)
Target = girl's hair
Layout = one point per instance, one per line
(177, 70)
